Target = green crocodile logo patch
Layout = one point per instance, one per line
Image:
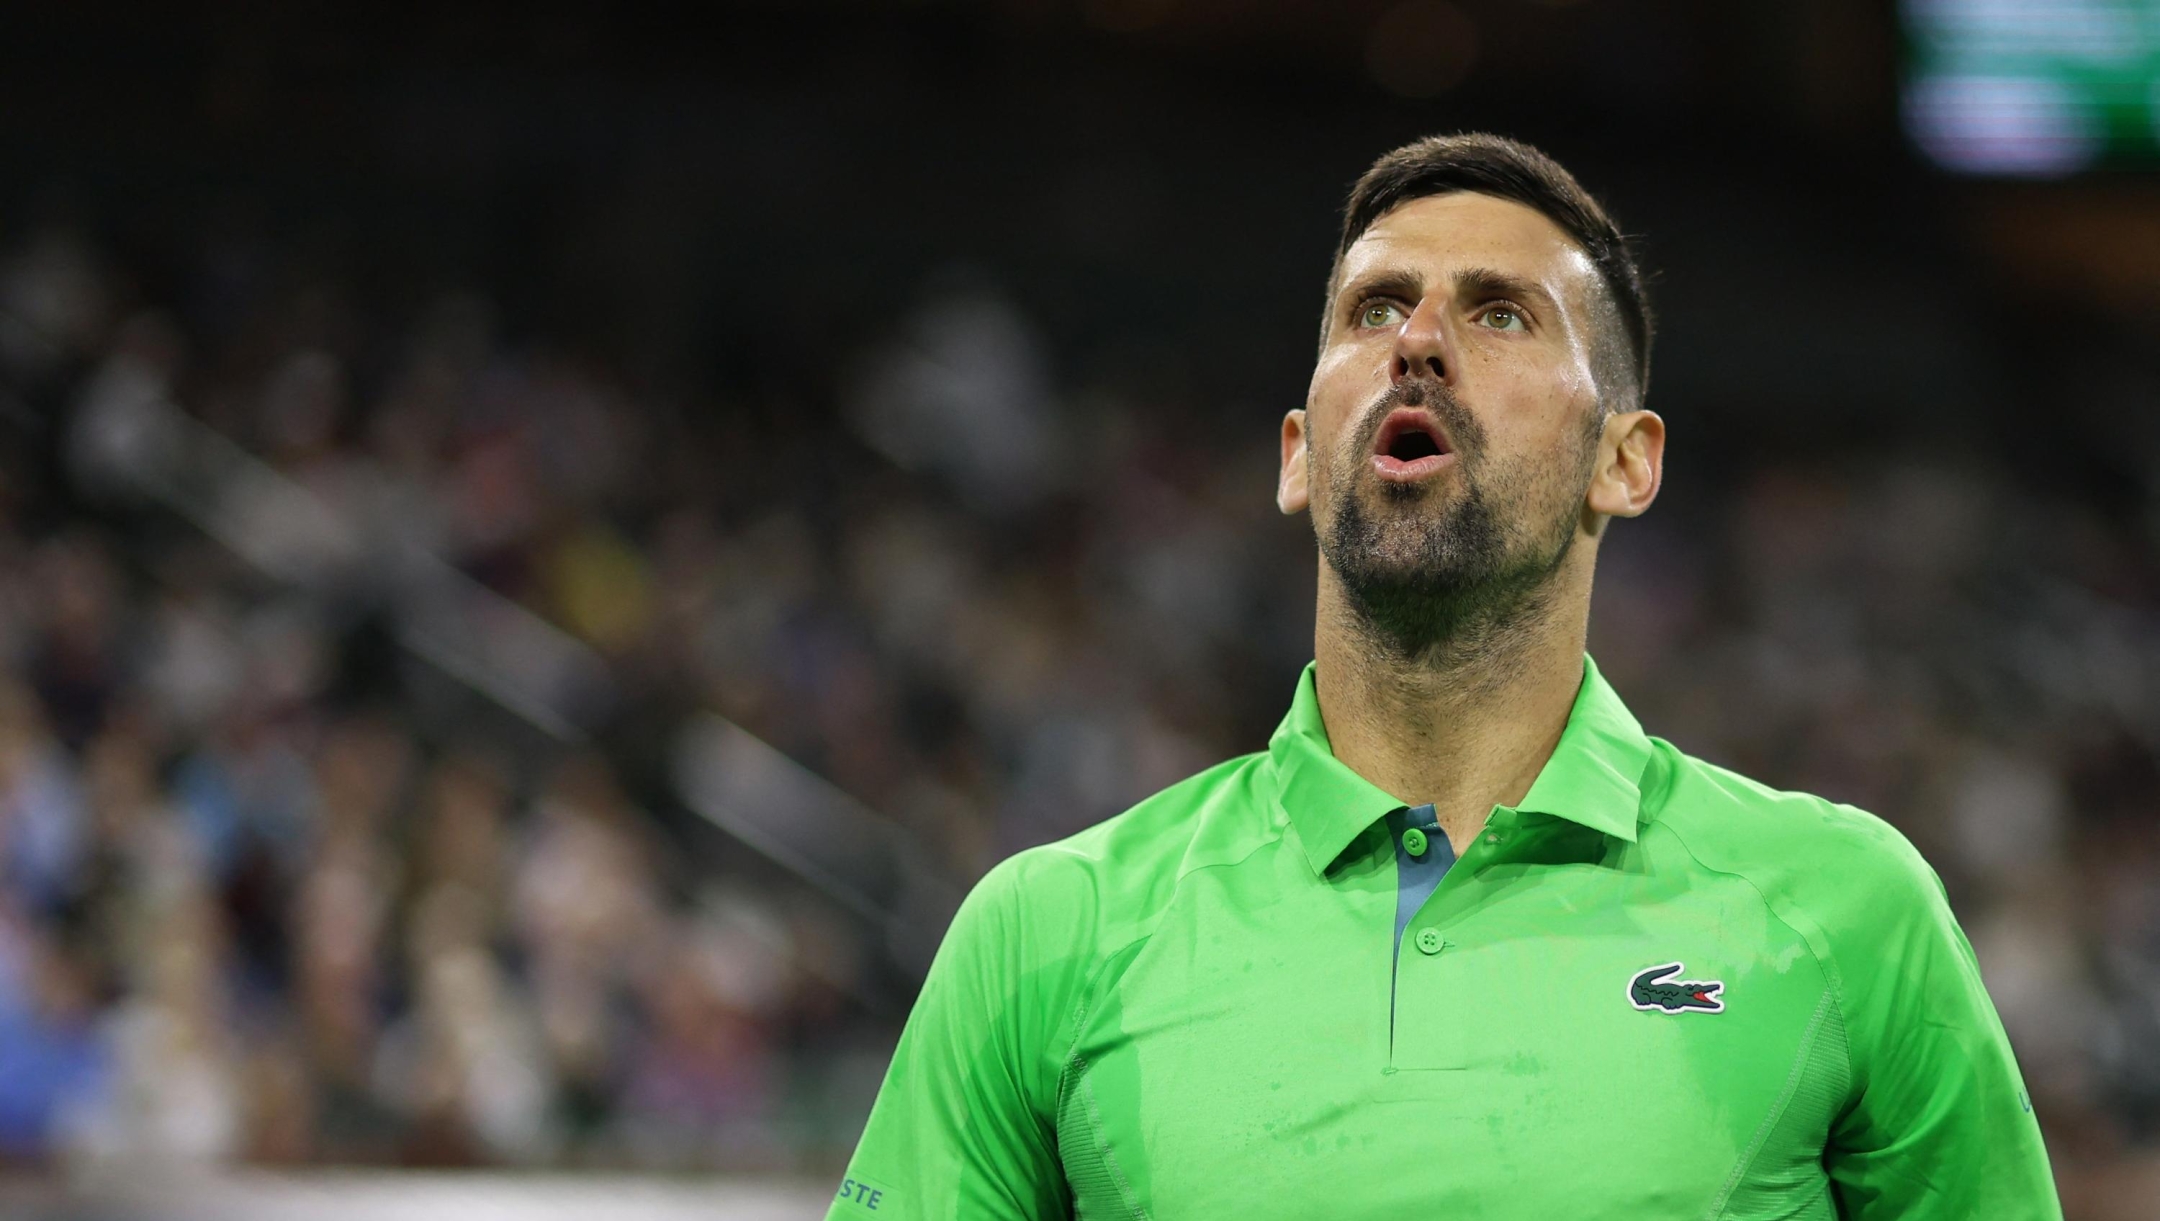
(1655, 989)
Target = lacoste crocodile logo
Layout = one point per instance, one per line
(1655, 989)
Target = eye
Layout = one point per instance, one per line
(1502, 318)
(1379, 314)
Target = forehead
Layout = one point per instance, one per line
(1440, 235)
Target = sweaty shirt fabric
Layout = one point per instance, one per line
(1654, 988)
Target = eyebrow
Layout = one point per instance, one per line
(1388, 282)
(1486, 282)
(1480, 282)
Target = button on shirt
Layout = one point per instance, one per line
(1652, 989)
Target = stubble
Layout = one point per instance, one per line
(1446, 569)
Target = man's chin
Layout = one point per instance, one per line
(1387, 547)
(1375, 578)
(1416, 559)
(1406, 541)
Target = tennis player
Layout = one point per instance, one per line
(1463, 942)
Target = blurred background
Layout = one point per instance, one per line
(541, 551)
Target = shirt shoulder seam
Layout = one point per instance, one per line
(1824, 957)
(1078, 1014)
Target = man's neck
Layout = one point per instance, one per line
(1466, 725)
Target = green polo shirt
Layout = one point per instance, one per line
(1654, 989)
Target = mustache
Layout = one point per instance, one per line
(1465, 435)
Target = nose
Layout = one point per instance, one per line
(1423, 347)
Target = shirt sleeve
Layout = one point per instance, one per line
(963, 1128)
(1940, 1126)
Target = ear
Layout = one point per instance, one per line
(1631, 464)
(1291, 494)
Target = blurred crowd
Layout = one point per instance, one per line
(256, 906)
(257, 903)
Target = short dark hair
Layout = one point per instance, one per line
(1509, 169)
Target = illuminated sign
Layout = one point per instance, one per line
(2033, 88)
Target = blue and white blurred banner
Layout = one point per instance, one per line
(383, 1196)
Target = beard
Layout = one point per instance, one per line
(1444, 567)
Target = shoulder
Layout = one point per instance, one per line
(1037, 931)
(1724, 815)
(1111, 879)
(1846, 879)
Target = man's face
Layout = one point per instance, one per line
(1453, 420)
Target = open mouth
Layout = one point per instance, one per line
(1411, 445)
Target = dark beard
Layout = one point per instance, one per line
(1450, 582)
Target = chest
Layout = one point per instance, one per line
(1553, 1042)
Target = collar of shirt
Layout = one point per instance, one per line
(1593, 777)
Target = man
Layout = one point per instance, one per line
(1463, 942)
